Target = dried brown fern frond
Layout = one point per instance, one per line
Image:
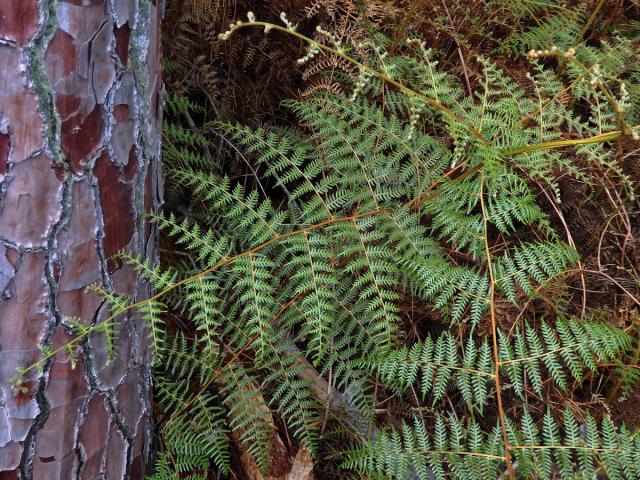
(320, 75)
(321, 6)
(351, 22)
(376, 10)
(243, 80)
(208, 13)
(323, 85)
(329, 63)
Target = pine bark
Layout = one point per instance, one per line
(80, 119)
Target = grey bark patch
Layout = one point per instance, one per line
(6, 269)
(31, 204)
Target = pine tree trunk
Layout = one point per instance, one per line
(80, 116)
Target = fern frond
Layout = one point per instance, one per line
(255, 222)
(307, 263)
(206, 247)
(570, 346)
(526, 358)
(196, 435)
(159, 279)
(291, 160)
(560, 30)
(248, 413)
(151, 312)
(291, 394)
(532, 263)
(461, 448)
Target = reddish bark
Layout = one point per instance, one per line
(79, 148)
(5, 145)
(18, 20)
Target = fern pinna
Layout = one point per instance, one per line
(387, 197)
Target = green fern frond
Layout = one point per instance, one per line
(254, 221)
(570, 346)
(206, 246)
(291, 394)
(248, 413)
(196, 433)
(460, 448)
(560, 30)
(179, 104)
(525, 358)
(151, 312)
(531, 264)
(291, 161)
(158, 278)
